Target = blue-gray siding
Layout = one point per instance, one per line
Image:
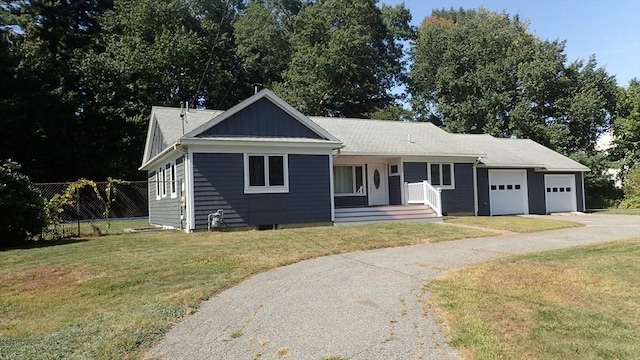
(580, 192)
(535, 186)
(536, 192)
(484, 207)
(157, 142)
(460, 199)
(219, 184)
(395, 191)
(454, 201)
(262, 118)
(166, 210)
(350, 201)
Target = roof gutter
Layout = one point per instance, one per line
(158, 157)
(354, 153)
(328, 144)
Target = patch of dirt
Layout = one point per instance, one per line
(497, 231)
(46, 277)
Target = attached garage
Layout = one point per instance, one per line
(560, 193)
(508, 192)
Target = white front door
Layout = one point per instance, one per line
(560, 193)
(508, 192)
(377, 184)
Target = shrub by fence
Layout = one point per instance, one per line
(108, 208)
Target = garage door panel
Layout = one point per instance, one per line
(560, 193)
(508, 192)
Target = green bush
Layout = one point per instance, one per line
(632, 190)
(600, 191)
(21, 206)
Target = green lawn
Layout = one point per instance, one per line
(579, 303)
(113, 297)
(512, 223)
(616, 211)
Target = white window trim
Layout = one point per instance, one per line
(442, 187)
(164, 181)
(267, 189)
(397, 173)
(353, 175)
(158, 190)
(173, 182)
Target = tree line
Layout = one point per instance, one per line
(79, 77)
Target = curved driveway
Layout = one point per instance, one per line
(362, 305)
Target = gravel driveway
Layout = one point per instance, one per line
(362, 305)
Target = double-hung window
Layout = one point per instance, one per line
(158, 183)
(164, 181)
(441, 175)
(348, 180)
(173, 181)
(266, 173)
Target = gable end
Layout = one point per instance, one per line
(262, 118)
(157, 142)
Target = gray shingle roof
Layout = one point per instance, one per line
(171, 125)
(502, 152)
(394, 138)
(381, 137)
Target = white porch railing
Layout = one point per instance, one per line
(424, 193)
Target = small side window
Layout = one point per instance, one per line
(266, 173)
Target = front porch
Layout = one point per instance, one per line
(372, 189)
(385, 213)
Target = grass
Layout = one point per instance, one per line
(114, 297)
(517, 224)
(616, 211)
(96, 227)
(579, 303)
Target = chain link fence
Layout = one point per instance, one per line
(109, 208)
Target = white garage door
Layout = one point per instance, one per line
(560, 193)
(508, 192)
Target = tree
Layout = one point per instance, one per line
(600, 191)
(158, 53)
(345, 57)
(262, 35)
(393, 112)
(632, 190)
(44, 109)
(478, 71)
(21, 206)
(585, 108)
(626, 128)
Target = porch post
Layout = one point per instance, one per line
(424, 192)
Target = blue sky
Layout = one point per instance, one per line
(608, 29)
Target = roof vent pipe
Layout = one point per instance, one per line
(409, 139)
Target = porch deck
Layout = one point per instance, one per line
(386, 213)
